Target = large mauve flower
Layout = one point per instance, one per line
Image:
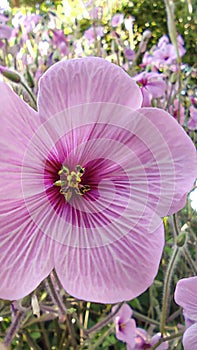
(186, 296)
(85, 182)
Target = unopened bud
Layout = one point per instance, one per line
(181, 239)
(11, 75)
(174, 77)
(146, 34)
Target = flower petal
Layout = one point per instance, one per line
(25, 253)
(25, 256)
(114, 272)
(175, 153)
(186, 296)
(124, 314)
(91, 79)
(127, 333)
(18, 124)
(190, 338)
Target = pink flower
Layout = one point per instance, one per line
(117, 19)
(92, 33)
(136, 338)
(143, 341)
(125, 325)
(192, 122)
(86, 180)
(152, 86)
(5, 31)
(129, 54)
(3, 19)
(164, 53)
(178, 111)
(60, 41)
(186, 296)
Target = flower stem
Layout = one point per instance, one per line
(30, 94)
(14, 327)
(167, 281)
(190, 261)
(55, 296)
(170, 337)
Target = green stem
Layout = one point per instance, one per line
(190, 261)
(55, 296)
(30, 341)
(14, 327)
(86, 318)
(30, 94)
(101, 339)
(45, 336)
(143, 318)
(170, 337)
(175, 225)
(167, 281)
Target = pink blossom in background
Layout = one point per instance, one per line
(135, 338)
(87, 179)
(164, 53)
(93, 33)
(5, 31)
(3, 19)
(178, 111)
(152, 86)
(117, 20)
(144, 341)
(129, 54)
(186, 296)
(163, 41)
(60, 41)
(125, 325)
(96, 13)
(192, 122)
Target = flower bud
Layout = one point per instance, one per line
(13, 76)
(181, 239)
(146, 34)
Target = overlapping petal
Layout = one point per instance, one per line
(18, 124)
(87, 80)
(128, 332)
(25, 252)
(177, 175)
(186, 296)
(114, 272)
(190, 338)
